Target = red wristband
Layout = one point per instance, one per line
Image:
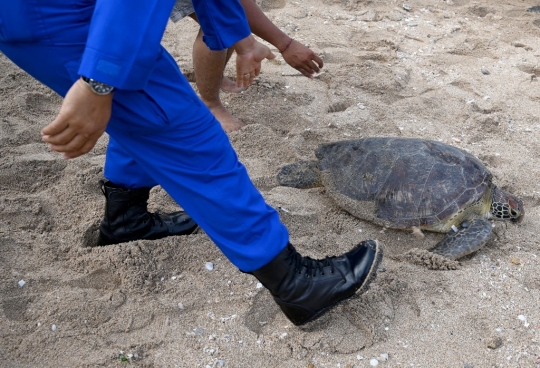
(286, 47)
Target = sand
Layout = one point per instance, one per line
(462, 72)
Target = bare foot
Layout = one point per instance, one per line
(228, 85)
(228, 122)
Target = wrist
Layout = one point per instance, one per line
(286, 46)
(244, 45)
(96, 87)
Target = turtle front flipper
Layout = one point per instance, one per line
(471, 236)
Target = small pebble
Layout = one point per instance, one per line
(209, 266)
(21, 283)
(53, 328)
(374, 362)
(494, 343)
(485, 71)
(407, 7)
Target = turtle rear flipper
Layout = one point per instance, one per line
(302, 175)
(471, 236)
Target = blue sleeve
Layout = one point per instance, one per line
(124, 41)
(223, 22)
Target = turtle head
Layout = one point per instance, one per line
(303, 175)
(506, 206)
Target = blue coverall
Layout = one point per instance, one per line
(160, 132)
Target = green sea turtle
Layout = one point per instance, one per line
(407, 183)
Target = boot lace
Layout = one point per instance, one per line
(155, 218)
(311, 265)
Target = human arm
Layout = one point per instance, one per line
(295, 54)
(232, 30)
(121, 50)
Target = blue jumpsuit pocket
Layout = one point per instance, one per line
(20, 22)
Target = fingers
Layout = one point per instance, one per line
(311, 67)
(58, 125)
(74, 144)
(270, 55)
(245, 79)
(79, 145)
(318, 60)
(303, 59)
(306, 73)
(307, 68)
(87, 147)
(257, 71)
(60, 138)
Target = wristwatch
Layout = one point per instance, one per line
(98, 87)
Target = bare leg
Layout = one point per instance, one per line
(208, 66)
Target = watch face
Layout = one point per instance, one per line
(101, 88)
(98, 87)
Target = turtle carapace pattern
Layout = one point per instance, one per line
(408, 183)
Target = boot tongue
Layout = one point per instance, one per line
(312, 265)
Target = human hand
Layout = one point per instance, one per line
(249, 55)
(302, 59)
(82, 119)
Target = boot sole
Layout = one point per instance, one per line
(103, 241)
(372, 275)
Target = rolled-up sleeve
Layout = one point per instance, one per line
(223, 22)
(124, 41)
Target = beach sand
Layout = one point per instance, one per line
(461, 72)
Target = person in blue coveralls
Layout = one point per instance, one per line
(209, 65)
(105, 59)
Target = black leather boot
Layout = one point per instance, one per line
(305, 288)
(127, 217)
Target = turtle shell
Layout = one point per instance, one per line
(403, 182)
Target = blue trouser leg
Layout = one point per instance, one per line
(176, 142)
(123, 170)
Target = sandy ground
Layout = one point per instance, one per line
(462, 72)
